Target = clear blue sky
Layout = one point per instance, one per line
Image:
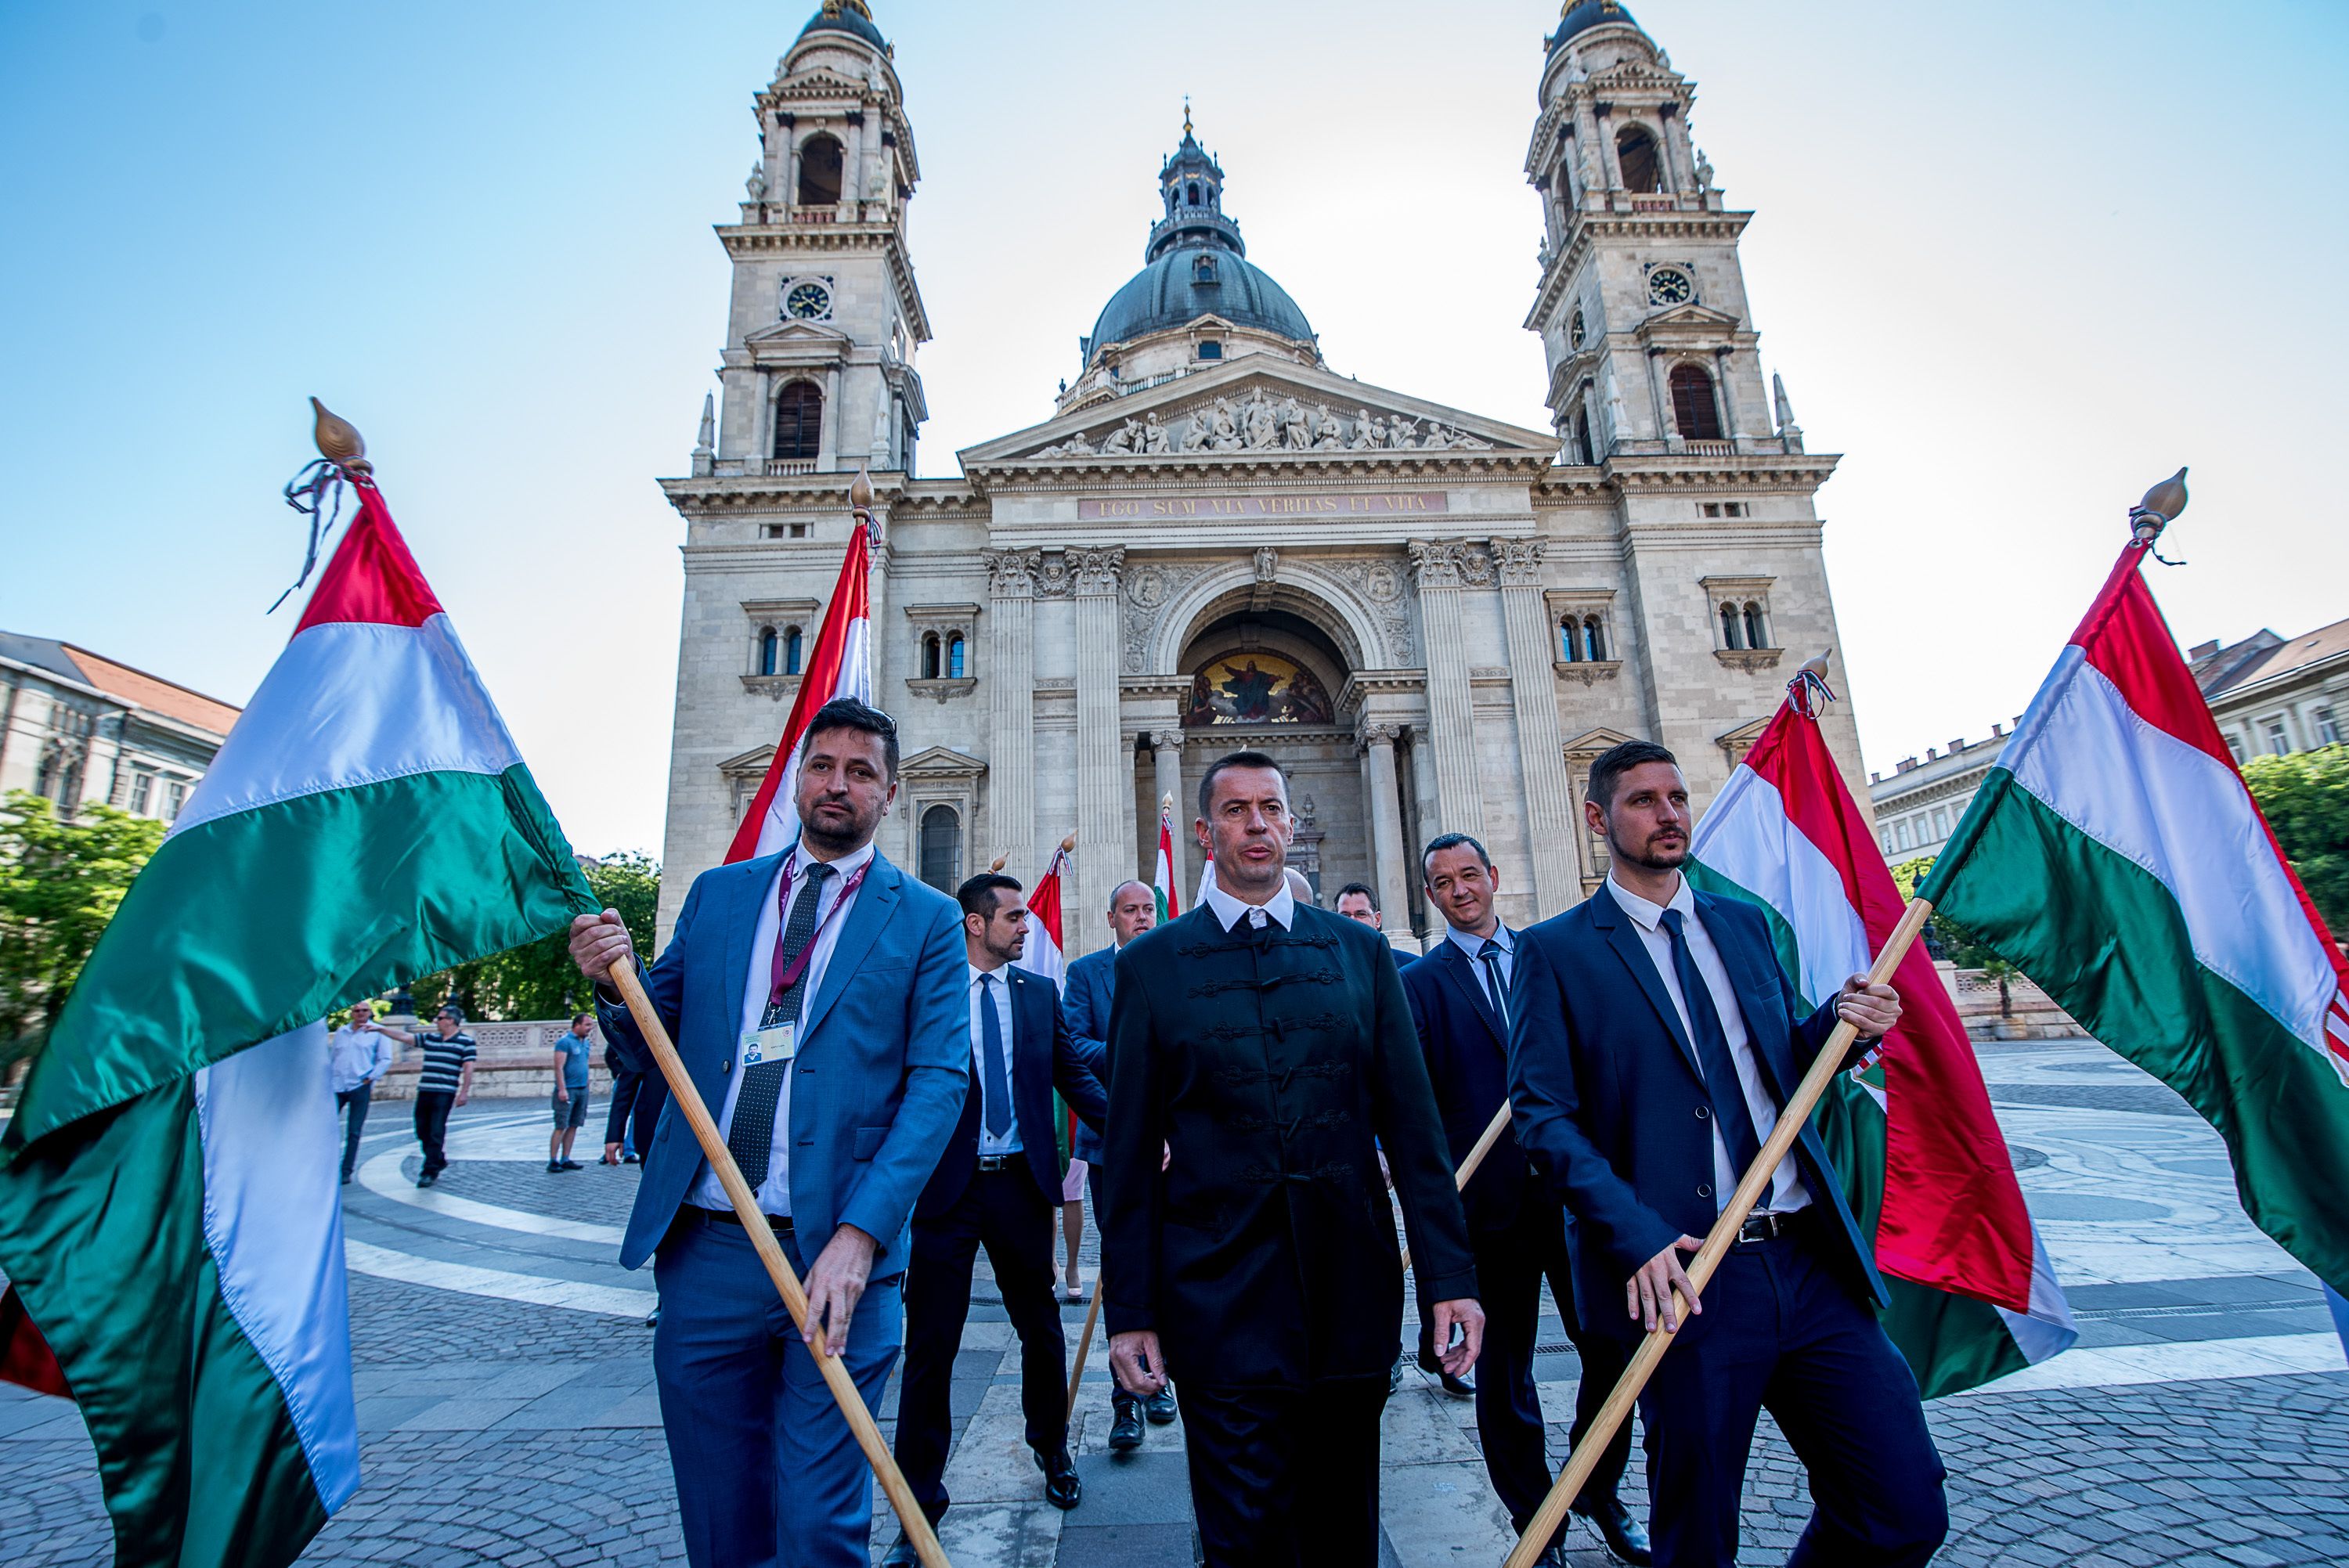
(2015, 261)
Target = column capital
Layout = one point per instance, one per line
(1371, 736)
(1519, 560)
(1093, 569)
(1012, 573)
(1437, 562)
(1165, 740)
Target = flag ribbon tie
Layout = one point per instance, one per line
(1808, 691)
(317, 492)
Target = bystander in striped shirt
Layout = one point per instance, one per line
(444, 1061)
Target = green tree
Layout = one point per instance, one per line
(538, 980)
(2306, 799)
(60, 882)
(1951, 940)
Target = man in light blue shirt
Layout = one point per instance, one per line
(356, 1057)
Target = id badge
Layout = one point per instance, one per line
(775, 1044)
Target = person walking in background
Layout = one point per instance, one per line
(571, 1081)
(1357, 902)
(357, 1055)
(445, 1083)
(638, 1092)
(1092, 987)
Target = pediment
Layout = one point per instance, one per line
(1260, 406)
(752, 764)
(1690, 317)
(941, 762)
(793, 330)
(1587, 746)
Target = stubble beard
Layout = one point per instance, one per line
(859, 832)
(1652, 861)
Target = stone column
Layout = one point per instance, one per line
(1729, 411)
(1440, 567)
(1549, 810)
(1010, 679)
(1377, 741)
(1166, 750)
(1101, 769)
(1667, 430)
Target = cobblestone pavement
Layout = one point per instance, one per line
(508, 1413)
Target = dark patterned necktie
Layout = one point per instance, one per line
(1712, 1041)
(750, 1136)
(1498, 991)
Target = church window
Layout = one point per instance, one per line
(1582, 452)
(1574, 330)
(1594, 637)
(1191, 193)
(1694, 413)
(820, 170)
(1729, 627)
(955, 657)
(1635, 153)
(1203, 269)
(1211, 351)
(942, 848)
(1569, 641)
(930, 657)
(799, 420)
(1757, 636)
(770, 648)
(791, 651)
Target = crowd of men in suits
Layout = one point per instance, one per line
(1260, 1085)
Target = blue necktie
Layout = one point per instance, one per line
(997, 1081)
(1721, 1084)
(1498, 993)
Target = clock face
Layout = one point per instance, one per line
(1669, 285)
(809, 301)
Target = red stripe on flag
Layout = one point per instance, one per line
(1953, 1217)
(371, 577)
(819, 684)
(25, 1358)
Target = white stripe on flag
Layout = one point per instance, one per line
(1748, 838)
(855, 679)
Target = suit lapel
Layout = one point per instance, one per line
(1624, 938)
(1461, 970)
(875, 902)
(744, 897)
(1769, 1046)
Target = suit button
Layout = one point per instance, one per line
(1702, 1113)
(1704, 1189)
(727, 1065)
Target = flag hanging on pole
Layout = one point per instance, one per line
(1044, 954)
(1923, 1164)
(2116, 856)
(839, 665)
(1162, 876)
(170, 1216)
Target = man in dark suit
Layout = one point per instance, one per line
(1461, 994)
(816, 999)
(1655, 1041)
(1090, 986)
(996, 1185)
(1267, 1045)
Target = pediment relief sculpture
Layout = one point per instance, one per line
(1255, 422)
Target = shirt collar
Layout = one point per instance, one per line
(1281, 907)
(846, 866)
(1472, 945)
(1650, 915)
(1001, 972)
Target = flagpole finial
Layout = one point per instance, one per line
(1808, 691)
(338, 439)
(1166, 801)
(860, 495)
(996, 864)
(1069, 844)
(2156, 512)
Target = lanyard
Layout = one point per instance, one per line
(782, 977)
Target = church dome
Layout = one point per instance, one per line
(1585, 15)
(850, 16)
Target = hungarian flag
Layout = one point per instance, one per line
(2116, 857)
(1162, 876)
(1923, 1164)
(1045, 954)
(839, 665)
(170, 1214)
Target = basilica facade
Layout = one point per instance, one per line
(1433, 619)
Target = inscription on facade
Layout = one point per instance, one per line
(1382, 503)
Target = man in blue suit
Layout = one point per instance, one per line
(816, 999)
(1461, 996)
(1655, 1041)
(1089, 987)
(996, 1186)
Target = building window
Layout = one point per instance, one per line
(1886, 837)
(1757, 636)
(955, 657)
(1941, 822)
(1203, 269)
(930, 657)
(768, 646)
(2279, 738)
(790, 650)
(1569, 641)
(1575, 330)
(1729, 627)
(1694, 413)
(1191, 193)
(1594, 639)
(1906, 831)
(820, 167)
(799, 420)
(1211, 351)
(175, 795)
(942, 848)
(2235, 748)
(142, 792)
(1635, 154)
(1582, 452)
(2328, 733)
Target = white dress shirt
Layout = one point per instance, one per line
(988, 1144)
(1787, 1192)
(832, 915)
(1282, 907)
(1469, 942)
(356, 1057)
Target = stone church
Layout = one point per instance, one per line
(1435, 620)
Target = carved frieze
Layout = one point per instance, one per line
(1255, 422)
(1380, 582)
(1149, 588)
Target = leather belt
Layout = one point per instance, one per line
(998, 1161)
(1770, 1227)
(779, 1224)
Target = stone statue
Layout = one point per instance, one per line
(1435, 440)
(1226, 436)
(1195, 435)
(1468, 443)
(1616, 425)
(1262, 431)
(1703, 171)
(1121, 440)
(1403, 434)
(1330, 431)
(1295, 433)
(757, 184)
(1368, 432)
(1154, 434)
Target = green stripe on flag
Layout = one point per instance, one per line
(1783, 944)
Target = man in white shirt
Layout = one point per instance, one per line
(357, 1054)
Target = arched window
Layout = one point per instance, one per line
(942, 848)
(1203, 269)
(767, 652)
(1569, 641)
(1582, 452)
(1594, 637)
(820, 164)
(1575, 331)
(954, 657)
(1191, 193)
(799, 420)
(791, 651)
(930, 657)
(1756, 635)
(1730, 632)
(1635, 153)
(1694, 413)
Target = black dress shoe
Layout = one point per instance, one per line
(1626, 1537)
(901, 1554)
(1125, 1423)
(1160, 1406)
(1061, 1488)
(1394, 1376)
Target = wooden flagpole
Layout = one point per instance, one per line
(1084, 1344)
(1717, 1243)
(910, 1516)
(1485, 1141)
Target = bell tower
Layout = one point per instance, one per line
(825, 319)
(1641, 309)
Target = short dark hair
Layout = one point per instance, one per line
(452, 1009)
(1451, 842)
(576, 1016)
(1363, 888)
(1235, 759)
(1619, 760)
(1120, 887)
(847, 713)
(976, 895)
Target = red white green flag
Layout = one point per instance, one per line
(2116, 856)
(1045, 954)
(170, 1219)
(1162, 874)
(1923, 1164)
